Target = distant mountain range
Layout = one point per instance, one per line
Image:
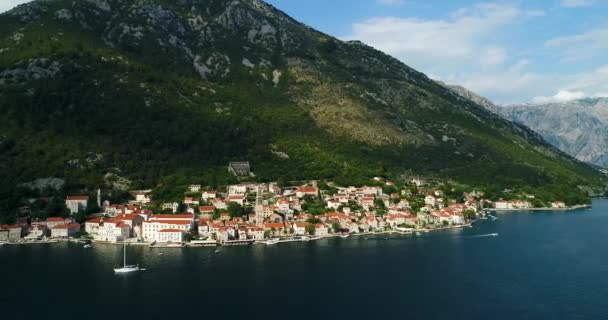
(578, 127)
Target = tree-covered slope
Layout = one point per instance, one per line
(160, 92)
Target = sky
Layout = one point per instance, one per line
(510, 51)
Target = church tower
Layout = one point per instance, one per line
(259, 208)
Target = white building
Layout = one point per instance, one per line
(299, 228)
(321, 230)
(76, 203)
(113, 230)
(209, 195)
(191, 201)
(142, 197)
(65, 230)
(183, 222)
(239, 189)
(170, 235)
(430, 200)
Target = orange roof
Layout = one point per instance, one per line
(95, 220)
(172, 216)
(274, 225)
(178, 222)
(55, 219)
(125, 217)
(85, 198)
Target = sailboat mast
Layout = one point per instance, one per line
(125, 254)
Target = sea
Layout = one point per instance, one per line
(523, 265)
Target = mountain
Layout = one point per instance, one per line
(123, 94)
(468, 94)
(579, 128)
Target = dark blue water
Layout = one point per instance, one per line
(550, 265)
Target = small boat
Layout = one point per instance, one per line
(344, 235)
(126, 268)
(271, 241)
(217, 251)
(87, 246)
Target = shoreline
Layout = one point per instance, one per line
(572, 208)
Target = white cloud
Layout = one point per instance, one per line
(390, 2)
(433, 45)
(465, 48)
(560, 96)
(590, 44)
(493, 56)
(576, 3)
(535, 13)
(6, 5)
(514, 84)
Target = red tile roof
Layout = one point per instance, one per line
(177, 222)
(85, 198)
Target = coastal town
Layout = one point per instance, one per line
(248, 213)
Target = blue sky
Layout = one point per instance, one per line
(510, 51)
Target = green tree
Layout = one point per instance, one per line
(235, 210)
(310, 229)
(469, 215)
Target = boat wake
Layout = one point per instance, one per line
(485, 235)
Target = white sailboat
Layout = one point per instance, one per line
(125, 268)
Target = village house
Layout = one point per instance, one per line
(76, 203)
(173, 206)
(91, 226)
(558, 205)
(321, 230)
(170, 236)
(37, 231)
(333, 204)
(256, 233)
(65, 230)
(191, 201)
(240, 200)
(194, 188)
(266, 211)
(237, 190)
(112, 230)
(299, 228)
(208, 195)
(207, 209)
(366, 202)
(430, 200)
(142, 197)
(204, 229)
(10, 232)
(275, 229)
(160, 222)
(114, 209)
(371, 191)
(52, 222)
(219, 204)
(302, 192)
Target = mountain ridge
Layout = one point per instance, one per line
(161, 93)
